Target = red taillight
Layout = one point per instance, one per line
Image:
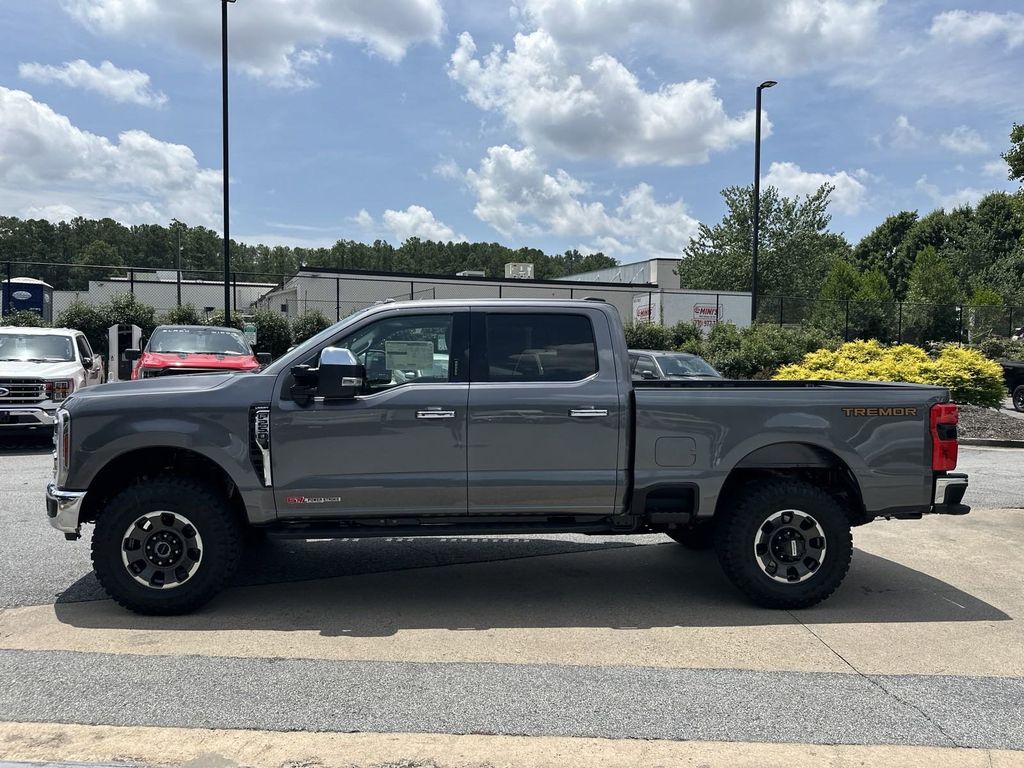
(944, 418)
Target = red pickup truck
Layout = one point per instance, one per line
(176, 349)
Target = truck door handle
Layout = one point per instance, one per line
(588, 413)
(435, 414)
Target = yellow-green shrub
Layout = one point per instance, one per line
(970, 376)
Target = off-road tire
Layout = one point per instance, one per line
(738, 528)
(1018, 398)
(207, 510)
(696, 537)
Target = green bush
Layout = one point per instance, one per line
(758, 351)
(217, 318)
(125, 309)
(273, 332)
(648, 336)
(24, 318)
(686, 337)
(87, 319)
(970, 377)
(186, 314)
(308, 325)
(1002, 349)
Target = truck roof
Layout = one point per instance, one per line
(32, 330)
(539, 302)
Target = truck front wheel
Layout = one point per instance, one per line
(786, 544)
(165, 545)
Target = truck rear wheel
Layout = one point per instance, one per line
(165, 545)
(786, 544)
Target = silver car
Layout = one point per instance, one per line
(652, 365)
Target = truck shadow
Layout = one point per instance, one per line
(616, 586)
(26, 443)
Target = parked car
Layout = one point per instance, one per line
(653, 365)
(39, 369)
(521, 416)
(1013, 374)
(177, 349)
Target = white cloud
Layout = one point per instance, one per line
(752, 35)
(996, 169)
(518, 196)
(48, 164)
(957, 199)
(979, 26)
(276, 41)
(414, 221)
(447, 168)
(595, 109)
(847, 197)
(964, 141)
(52, 213)
(128, 86)
(903, 135)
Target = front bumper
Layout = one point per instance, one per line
(20, 417)
(64, 509)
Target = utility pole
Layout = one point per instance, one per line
(227, 228)
(757, 199)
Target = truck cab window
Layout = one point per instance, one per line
(540, 347)
(402, 350)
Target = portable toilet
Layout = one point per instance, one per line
(26, 294)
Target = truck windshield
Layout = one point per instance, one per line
(211, 341)
(685, 365)
(38, 348)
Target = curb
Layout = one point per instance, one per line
(981, 441)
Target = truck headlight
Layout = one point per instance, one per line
(62, 444)
(59, 389)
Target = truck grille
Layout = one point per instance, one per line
(22, 391)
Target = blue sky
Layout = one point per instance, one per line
(596, 124)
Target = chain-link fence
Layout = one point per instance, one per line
(336, 294)
(893, 322)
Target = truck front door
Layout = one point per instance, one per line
(544, 413)
(397, 450)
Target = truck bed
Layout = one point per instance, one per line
(697, 432)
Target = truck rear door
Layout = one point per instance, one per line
(544, 413)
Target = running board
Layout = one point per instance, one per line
(356, 529)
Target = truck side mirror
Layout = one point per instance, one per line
(87, 363)
(341, 376)
(648, 375)
(264, 359)
(132, 355)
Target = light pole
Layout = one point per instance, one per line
(177, 263)
(757, 199)
(224, 85)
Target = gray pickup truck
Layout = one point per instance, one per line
(490, 417)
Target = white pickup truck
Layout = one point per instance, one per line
(39, 369)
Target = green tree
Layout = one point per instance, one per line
(795, 252)
(841, 286)
(932, 296)
(882, 250)
(1014, 156)
(873, 313)
(985, 315)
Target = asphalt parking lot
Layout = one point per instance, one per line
(483, 648)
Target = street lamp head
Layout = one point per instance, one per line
(765, 84)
